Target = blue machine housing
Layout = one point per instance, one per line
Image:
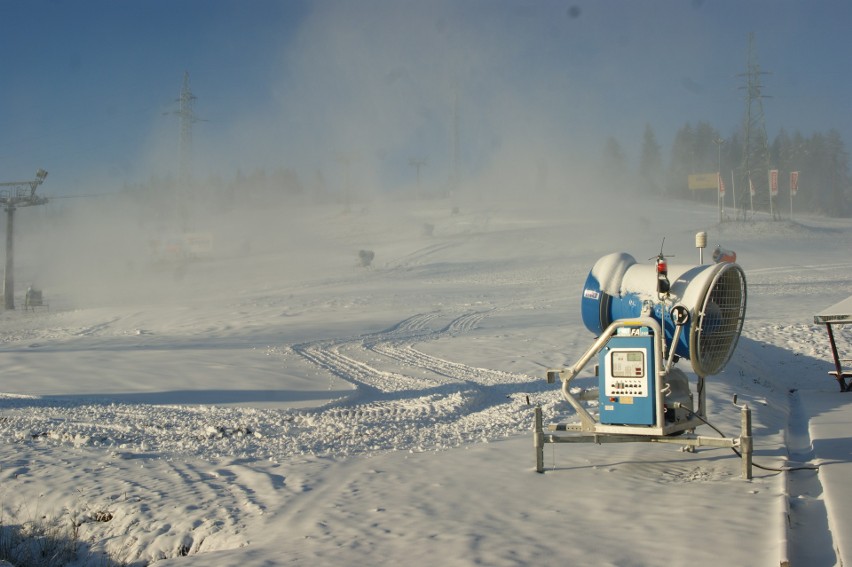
(628, 399)
(618, 287)
(599, 307)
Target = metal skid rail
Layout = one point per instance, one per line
(561, 433)
(589, 430)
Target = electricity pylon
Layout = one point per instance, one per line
(18, 194)
(187, 119)
(754, 168)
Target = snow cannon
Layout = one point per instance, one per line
(646, 318)
(700, 309)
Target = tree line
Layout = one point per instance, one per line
(824, 183)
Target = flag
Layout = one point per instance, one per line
(751, 187)
(721, 183)
(794, 182)
(773, 182)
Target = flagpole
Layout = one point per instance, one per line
(734, 190)
(794, 189)
(771, 207)
(719, 182)
(719, 192)
(751, 193)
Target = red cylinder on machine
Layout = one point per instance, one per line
(663, 285)
(724, 255)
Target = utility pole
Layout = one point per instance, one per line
(345, 159)
(18, 194)
(456, 175)
(755, 143)
(719, 142)
(417, 164)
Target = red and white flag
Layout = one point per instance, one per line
(773, 182)
(721, 183)
(794, 182)
(751, 190)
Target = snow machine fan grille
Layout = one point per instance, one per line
(720, 321)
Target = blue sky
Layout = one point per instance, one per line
(89, 88)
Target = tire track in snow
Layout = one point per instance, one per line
(402, 350)
(797, 279)
(446, 404)
(97, 329)
(370, 380)
(456, 403)
(414, 324)
(799, 269)
(414, 257)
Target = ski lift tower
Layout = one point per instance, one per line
(17, 194)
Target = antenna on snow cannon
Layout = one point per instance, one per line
(646, 317)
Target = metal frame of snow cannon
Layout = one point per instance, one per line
(589, 424)
(591, 430)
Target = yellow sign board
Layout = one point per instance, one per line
(703, 181)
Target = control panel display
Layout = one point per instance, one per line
(626, 373)
(628, 364)
(628, 394)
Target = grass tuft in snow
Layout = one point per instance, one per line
(48, 542)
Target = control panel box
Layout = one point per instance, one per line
(627, 383)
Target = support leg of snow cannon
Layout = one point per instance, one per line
(746, 441)
(538, 441)
(744, 444)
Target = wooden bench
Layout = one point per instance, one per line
(841, 379)
(838, 314)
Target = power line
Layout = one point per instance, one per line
(86, 196)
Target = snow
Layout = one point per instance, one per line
(275, 402)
